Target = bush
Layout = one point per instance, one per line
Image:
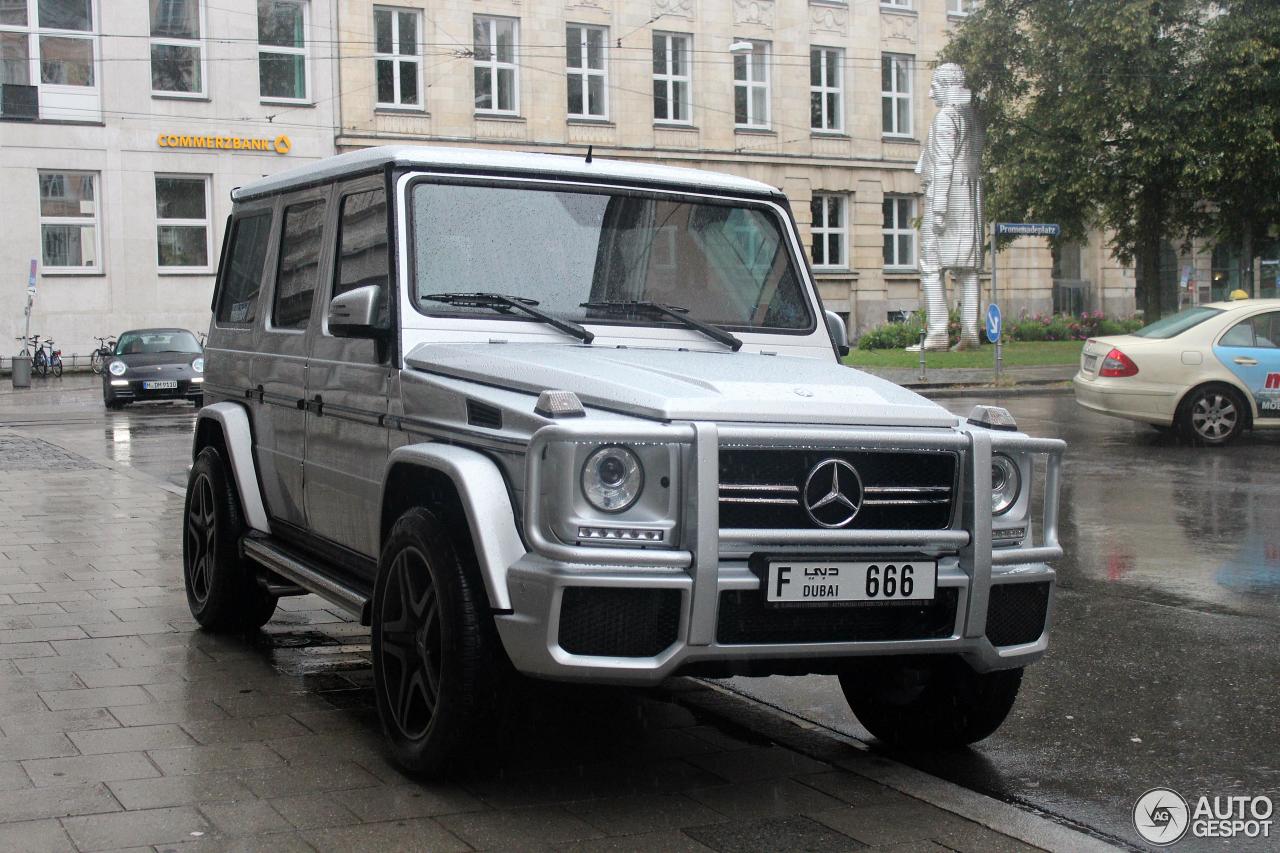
(1040, 327)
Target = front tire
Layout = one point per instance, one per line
(437, 666)
(1214, 415)
(928, 702)
(222, 590)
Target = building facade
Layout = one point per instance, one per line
(124, 126)
(827, 100)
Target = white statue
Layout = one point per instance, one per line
(951, 224)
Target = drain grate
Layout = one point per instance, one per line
(19, 453)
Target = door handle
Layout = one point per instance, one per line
(1245, 360)
(316, 405)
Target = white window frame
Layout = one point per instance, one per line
(95, 220)
(839, 202)
(897, 4)
(304, 52)
(670, 80)
(753, 121)
(206, 224)
(580, 76)
(495, 65)
(961, 8)
(822, 90)
(897, 228)
(198, 44)
(893, 96)
(33, 33)
(397, 59)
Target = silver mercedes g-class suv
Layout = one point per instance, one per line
(586, 421)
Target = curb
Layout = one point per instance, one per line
(1022, 389)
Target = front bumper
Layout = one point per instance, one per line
(647, 614)
(134, 391)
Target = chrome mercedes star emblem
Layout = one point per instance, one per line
(832, 493)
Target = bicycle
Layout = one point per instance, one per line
(39, 361)
(53, 362)
(100, 357)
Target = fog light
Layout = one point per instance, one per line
(620, 534)
(119, 382)
(197, 379)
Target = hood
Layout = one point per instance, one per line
(687, 385)
(148, 359)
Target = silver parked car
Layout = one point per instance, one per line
(586, 421)
(154, 364)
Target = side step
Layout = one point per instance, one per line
(292, 567)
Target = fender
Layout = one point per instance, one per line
(485, 501)
(234, 423)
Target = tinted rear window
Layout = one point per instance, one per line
(242, 276)
(1168, 327)
(299, 264)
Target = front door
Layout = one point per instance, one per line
(1251, 350)
(280, 366)
(347, 385)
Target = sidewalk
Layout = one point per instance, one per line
(122, 726)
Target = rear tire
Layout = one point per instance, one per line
(929, 702)
(1214, 415)
(222, 590)
(438, 667)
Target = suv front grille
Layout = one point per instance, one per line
(746, 619)
(762, 488)
(1016, 613)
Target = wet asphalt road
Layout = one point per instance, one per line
(1165, 652)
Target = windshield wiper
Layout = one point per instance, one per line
(500, 302)
(675, 312)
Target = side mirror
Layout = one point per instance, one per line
(839, 334)
(355, 314)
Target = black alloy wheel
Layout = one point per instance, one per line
(202, 537)
(412, 645)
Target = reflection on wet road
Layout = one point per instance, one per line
(1166, 646)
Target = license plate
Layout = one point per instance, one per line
(1090, 363)
(809, 581)
(159, 384)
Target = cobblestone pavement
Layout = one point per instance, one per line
(122, 726)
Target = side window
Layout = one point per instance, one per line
(1266, 330)
(362, 242)
(242, 277)
(1240, 335)
(299, 266)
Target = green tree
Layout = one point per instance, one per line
(1240, 97)
(1092, 115)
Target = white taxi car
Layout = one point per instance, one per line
(1211, 371)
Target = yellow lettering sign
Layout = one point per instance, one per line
(280, 144)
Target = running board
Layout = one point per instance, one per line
(291, 567)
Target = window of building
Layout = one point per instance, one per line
(362, 242)
(897, 4)
(585, 70)
(52, 45)
(299, 264)
(672, 80)
(895, 94)
(282, 50)
(70, 237)
(961, 7)
(177, 53)
(497, 77)
(899, 232)
(751, 86)
(182, 223)
(242, 273)
(830, 231)
(826, 89)
(397, 65)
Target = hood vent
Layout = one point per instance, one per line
(483, 415)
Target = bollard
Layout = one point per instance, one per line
(21, 374)
(924, 376)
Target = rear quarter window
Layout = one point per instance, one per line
(241, 278)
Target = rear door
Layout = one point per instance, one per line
(280, 364)
(1251, 350)
(347, 383)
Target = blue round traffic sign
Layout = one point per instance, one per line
(994, 323)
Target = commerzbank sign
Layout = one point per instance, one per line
(280, 144)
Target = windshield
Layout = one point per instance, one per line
(1168, 327)
(136, 343)
(726, 263)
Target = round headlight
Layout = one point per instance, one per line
(117, 368)
(1006, 483)
(198, 365)
(612, 478)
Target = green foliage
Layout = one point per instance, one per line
(1039, 327)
